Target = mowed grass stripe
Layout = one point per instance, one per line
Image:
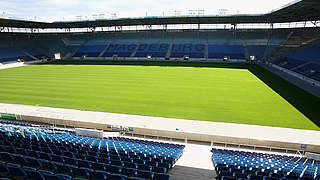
(199, 93)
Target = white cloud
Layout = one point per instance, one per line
(57, 9)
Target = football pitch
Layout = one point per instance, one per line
(233, 93)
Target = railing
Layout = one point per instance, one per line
(217, 143)
(297, 75)
(126, 132)
(152, 136)
(258, 147)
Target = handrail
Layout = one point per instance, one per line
(286, 150)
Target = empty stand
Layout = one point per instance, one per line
(305, 62)
(234, 164)
(28, 151)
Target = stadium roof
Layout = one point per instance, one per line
(301, 10)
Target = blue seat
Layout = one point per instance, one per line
(145, 174)
(225, 173)
(43, 155)
(292, 177)
(46, 150)
(18, 158)
(165, 165)
(21, 151)
(48, 175)
(64, 176)
(92, 158)
(33, 174)
(235, 170)
(70, 161)
(10, 150)
(138, 161)
(33, 162)
(5, 156)
(159, 169)
(116, 162)
(270, 178)
(41, 171)
(57, 152)
(259, 173)
(144, 167)
(33, 154)
(97, 175)
(68, 154)
(62, 168)
(276, 175)
(113, 169)
(221, 168)
(130, 165)
(151, 163)
(253, 176)
(126, 159)
(239, 175)
(103, 160)
(16, 171)
(158, 160)
(228, 178)
(129, 171)
(48, 165)
(80, 156)
(84, 163)
(51, 177)
(161, 176)
(3, 169)
(135, 178)
(57, 158)
(98, 166)
(116, 177)
(28, 168)
(93, 154)
(80, 172)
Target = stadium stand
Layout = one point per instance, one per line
(305, 62)
(211, 44)
(218, 44)
(234, 164)
(14, 48)
(34, 152)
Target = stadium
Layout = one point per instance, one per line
(162, 97)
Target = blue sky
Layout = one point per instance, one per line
(57, 10)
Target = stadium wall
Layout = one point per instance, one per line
(187, 136)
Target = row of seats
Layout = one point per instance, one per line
(233, 164)
(311, 70)
(305, 61)
(160, 50)
(64, 152)
(39, 150)
(16, 171)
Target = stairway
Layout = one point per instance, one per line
(170, 48)
(304, 64)
(206, 52)
(195, 163)
(70, 54)
(133, 54)
(246, 52)
(106, 48)
(28, 54)
(294, 42)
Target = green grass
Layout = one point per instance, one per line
(211, 92)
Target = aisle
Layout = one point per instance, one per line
(195, 164)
